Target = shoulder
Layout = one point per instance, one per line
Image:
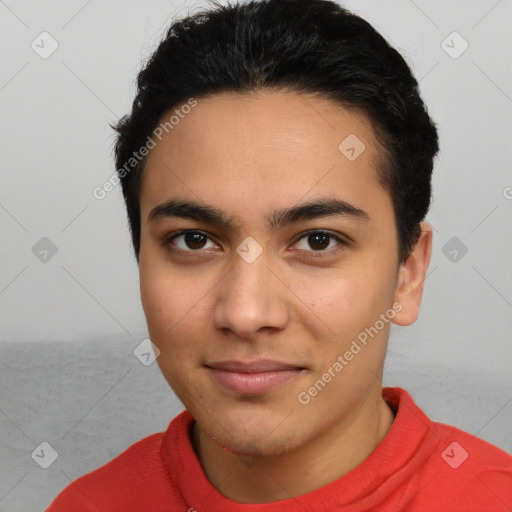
(447, 469)
(467, 472)
(128, 478)
(473, 449)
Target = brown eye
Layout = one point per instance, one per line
(320, 242)
(194, 240)
(189, 241)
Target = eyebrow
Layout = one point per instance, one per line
(323, 207)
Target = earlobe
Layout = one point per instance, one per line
(411, 277)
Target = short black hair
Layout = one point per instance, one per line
(308, 46)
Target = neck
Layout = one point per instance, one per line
(311, 466)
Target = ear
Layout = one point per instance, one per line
(411, 277)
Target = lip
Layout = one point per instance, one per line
(261, 365)
(252, 378)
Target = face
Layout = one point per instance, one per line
(266, 251)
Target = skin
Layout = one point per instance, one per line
(248, 155)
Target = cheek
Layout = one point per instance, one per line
(341, 299)
(340, 305)
(171, 304)
(157, 298)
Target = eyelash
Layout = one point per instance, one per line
(167, 241)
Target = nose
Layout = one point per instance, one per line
(251, 298)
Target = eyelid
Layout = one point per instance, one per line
(342, 241)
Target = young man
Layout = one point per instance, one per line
(276, 168)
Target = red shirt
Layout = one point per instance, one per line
(419, 466)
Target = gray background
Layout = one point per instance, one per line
(70, 323)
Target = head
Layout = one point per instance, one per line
(290, 141)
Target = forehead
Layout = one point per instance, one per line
(266, 147)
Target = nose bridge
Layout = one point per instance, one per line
(250, 296)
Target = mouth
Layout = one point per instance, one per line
(253, 378)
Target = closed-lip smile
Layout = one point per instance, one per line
(252, 378)
(262, 365)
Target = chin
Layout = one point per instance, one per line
(254, 445)
(249, 433)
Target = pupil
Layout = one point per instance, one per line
(319, 239)
(194, 240)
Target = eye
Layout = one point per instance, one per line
(189, 241)
(312, 241)
(320, 241)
